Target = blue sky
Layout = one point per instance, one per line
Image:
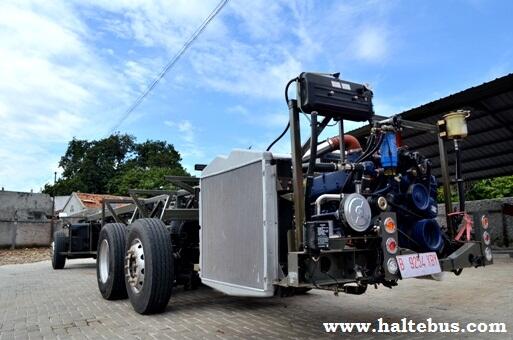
(72, 68)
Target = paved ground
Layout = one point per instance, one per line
(37, 302)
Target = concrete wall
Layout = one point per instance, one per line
(500, 225)
(25, 234)
(24, 219)
(23, 206)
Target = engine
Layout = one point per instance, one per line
(385, 176)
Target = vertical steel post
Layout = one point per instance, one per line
(320, 129)
(90, 236)
(103, 213)
(507, 209)
(446, 184)
(52, 223)
(297, 174)
(459, 178)
(341, 143)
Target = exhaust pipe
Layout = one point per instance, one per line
(333, 143)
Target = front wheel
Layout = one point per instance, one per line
(58, 247)
(110, 261)
(149, 266)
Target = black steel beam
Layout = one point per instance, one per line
(181, 183)
(186, 179)
(152, 192)
(446, 185)
(181, 214)
(322, 126)
(114, 215)
(297, 174)
(471, 132)
(426, 127)
(107, 203)
(140, 206)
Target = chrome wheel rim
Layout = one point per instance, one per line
(104, 261)
(135, 265)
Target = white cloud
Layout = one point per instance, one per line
(55, 82)
(237, 109)
(371, 44)
(138, 73)
(51, 79)
(270, 120)
(153, 23)
(186, 130)
(385, 108)
(185, 140)
(253, 48)
(247, 75)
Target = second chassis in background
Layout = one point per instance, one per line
(333, 215)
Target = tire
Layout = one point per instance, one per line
(149, 270)
(58, 246)
(111, 260)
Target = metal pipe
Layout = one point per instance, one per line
(52, 223)
(326, 197)
(322, 126)
(341, 141)
(459, 179)
(350, 142)
(311, 163)
(297, 174)
(446, 185)
(330, 167)
(313, 144)
(333, 143)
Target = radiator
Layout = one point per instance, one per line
(238, 219)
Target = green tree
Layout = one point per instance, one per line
(498, 187)
(114, 165)
(144, 178)
(491, 188)
(156, 154)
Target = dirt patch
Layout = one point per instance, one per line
(25, 255)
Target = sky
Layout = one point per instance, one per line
(72, 68)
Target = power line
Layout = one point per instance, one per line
(170, 64)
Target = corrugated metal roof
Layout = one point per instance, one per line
(95, 200)
(488, 150)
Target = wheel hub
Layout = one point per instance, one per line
(104, 261)
(135, 265)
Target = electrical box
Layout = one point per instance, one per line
(318, 234)
(331, 96)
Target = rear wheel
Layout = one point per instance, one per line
(58, 247)
(110, 261)
(149, 266)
